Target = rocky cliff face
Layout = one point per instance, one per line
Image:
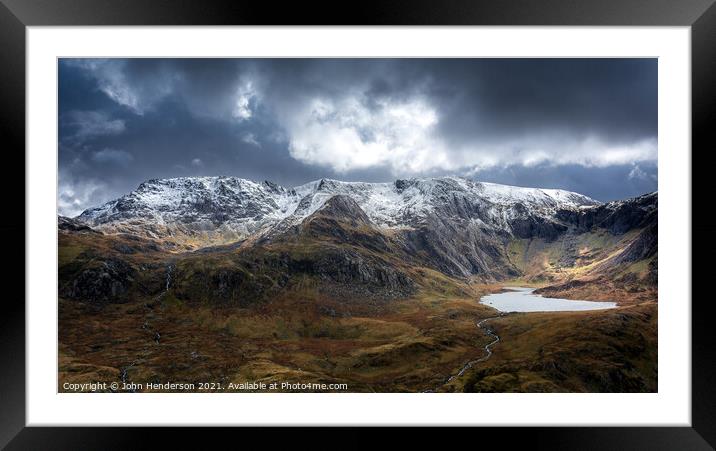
(100, 281)
(73, 225)
(618, 217)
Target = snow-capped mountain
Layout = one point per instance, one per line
(370, 239)
(221, 209)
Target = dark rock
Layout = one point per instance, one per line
(124, 249)
(343, 208)
(457, 248)
(643, 247)
(402, 185)
(618, 217)
(108, 281)
(73, 225)
(536, 227)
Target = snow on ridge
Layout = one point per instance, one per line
(381, 200)
(516, 193)
(249, 207)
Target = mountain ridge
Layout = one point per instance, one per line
(456, 226)
(194, 211)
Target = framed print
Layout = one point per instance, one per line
(234, 221)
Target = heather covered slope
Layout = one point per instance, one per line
(610, 351)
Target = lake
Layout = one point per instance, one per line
(519, 299)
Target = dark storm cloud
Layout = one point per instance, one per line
(615, 99)
(585, 125)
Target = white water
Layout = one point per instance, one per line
(519, 299)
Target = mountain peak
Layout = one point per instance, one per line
(342, 207)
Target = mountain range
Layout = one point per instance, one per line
(361, 239)
(221, 209)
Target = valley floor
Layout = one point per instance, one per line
(409, 345)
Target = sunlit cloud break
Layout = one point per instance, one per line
(346, 135)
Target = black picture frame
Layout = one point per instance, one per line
(16, 15)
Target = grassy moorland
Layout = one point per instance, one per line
(411, 345)
(596, 351)
(404, 345)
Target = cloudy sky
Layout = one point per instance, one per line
(586, 125)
